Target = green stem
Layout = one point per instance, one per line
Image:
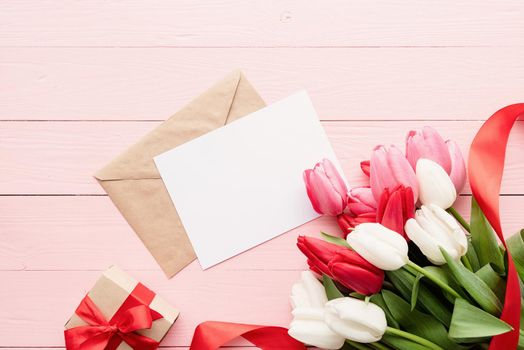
(434, 279)
(413, 337)
(459, 218)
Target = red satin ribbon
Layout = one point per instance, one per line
(486, 165)
(100, 334)
(211, 335)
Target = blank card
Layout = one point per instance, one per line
(241, 185)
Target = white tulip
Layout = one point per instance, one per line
(433, 228)
(356, 319)
(308, 299)
(382, 247)
(435, 185)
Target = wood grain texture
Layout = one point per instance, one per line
(261, 23)
(358, 83)
(86, 233)
(114, 69)
(75, 150)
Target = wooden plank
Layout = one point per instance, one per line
(40, 302)
(261, 23)
(358, 83)
(60, 157)
(87, 233)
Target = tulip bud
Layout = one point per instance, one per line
(355, 273)
(427, 144)
(458, 167)
(395, 208)
(382, 247)
(389, 169)
(308, 299)
(347, 222)
(433, 228)
(326, 189)
(318, 252)
(361, 201)
(356, 319)
(435, 185)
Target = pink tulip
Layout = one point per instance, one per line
(458, 167)
(427, 144)
(389, 169)
(361, 201)
(395, 208)
(326, 189)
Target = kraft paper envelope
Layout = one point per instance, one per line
(133, 182)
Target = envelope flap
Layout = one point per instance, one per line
(212, 109)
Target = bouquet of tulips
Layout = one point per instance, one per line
(406, 271)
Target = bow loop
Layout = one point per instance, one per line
(133, 319)
(101, 334)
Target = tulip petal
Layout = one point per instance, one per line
(315, 333)
(435, 185)
(426, 245)
(328, 200)
(334, 177)
(379, 245)
(402, 171)
(355, 319)
(458, 166)
(427, 144)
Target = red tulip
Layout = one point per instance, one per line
(342, 265)
(355, 273)
(389, 169)
(318, 253)
(395, 208)
(361, 201)
(347, 222)
(326, 189)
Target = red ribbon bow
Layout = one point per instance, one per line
(486, 165)
(101, 334)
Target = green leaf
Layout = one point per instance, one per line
(399, 343)
(335, 240)
(493, 280)
(378, 300)
(484, 240)
(469, 321)
(415, 290)
(332, 291)
(429, 301)
(474, 285)
(472, 256)
(516, 248)
(351, 345)
(418, 323)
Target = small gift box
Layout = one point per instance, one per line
(119, 313)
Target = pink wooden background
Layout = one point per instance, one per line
(82, 80)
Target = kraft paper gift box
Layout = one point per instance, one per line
(113, 294)
(133, 182)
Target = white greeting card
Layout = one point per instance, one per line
(241, 185)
